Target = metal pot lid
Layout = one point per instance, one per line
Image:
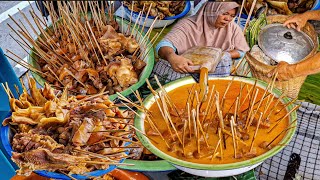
(283, 44)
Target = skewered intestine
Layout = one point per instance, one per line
(47, 136)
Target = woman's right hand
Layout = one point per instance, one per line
(296, 21)
(180, 64)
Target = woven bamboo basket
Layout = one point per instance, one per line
(260, 70)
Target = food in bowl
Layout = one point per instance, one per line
(68, 134)
(160, 9)
(240, 123)
(88, 52)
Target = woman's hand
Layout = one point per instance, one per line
(285, 71)
(179, 63)
(296, 22)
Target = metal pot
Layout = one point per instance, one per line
(283, 44)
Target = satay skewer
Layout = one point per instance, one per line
(233, 136)
(219, 112)
(27, 66)
(95, 40)
(275, 105)
(166, 111)
(256, 132)
(200, 126)
(249, 16)
(241, 8)
(285, 130)
(283, 117)
(215, 149)
(196, 129)
(287, 104)
(189, 120)
(270, 84)
(209, 105)
(144, 23)
(237, 138)
(221, 151)
(184, 136)
(6, 90)
(251, 109)
(135, 24)
(129, 26)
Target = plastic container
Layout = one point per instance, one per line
(5, 140)
(159, 23)
(316, 5)
(7, 75)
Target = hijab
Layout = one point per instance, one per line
(199, 30)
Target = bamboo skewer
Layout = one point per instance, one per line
(189, 119)
(256, 132)
(169, 118)
(275, 105)
(282, 118)
(233, 136)
(249, 16)
(289, 103)
(184, 136)
(221, 151)
(219, 112)
(285, 130)
(196, 129)
(241, 8)
(199, 125)
(250, 110)
(94, 38)
(215, 150)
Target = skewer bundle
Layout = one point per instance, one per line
(69, 134)
(85, 52)
(225, 128)
(159, 9)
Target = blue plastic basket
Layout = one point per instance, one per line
(5, 140)
(316, 5)
(6, 75)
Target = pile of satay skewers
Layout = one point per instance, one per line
(68, 134)
(84, 51)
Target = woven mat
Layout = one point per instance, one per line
(306, 143)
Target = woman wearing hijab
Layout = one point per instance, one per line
(212, 26)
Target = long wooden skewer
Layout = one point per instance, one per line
(221, 151)
(282, 118)
(285, 130)
(256, 132)
(215, 150)
(242, 4)
(249, 16)
(233, 137)
(251, 109)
